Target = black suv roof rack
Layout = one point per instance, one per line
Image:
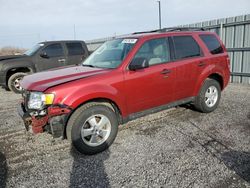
(171, 29)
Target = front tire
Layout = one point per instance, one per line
(209, 96)
(92, 128)
(14, 82)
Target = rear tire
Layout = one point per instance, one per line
(14, 82)
(209, 96)
(84, 128)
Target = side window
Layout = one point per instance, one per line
(156, 51)
(54, 50)
(185, 47)
(75, 49)
(212, 44)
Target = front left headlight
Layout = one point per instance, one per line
(38, 100)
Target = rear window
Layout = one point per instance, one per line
(75, 48)
(186, 47)
(212, 44)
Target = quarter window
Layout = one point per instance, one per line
(54, 50)
(212, 44)
(75, 48)
(186, 47)
(156, 51)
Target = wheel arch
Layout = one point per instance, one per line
(212, 75)
(103, 101)
(14, 70)
(218, 78)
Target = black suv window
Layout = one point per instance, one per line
(75, 48)
(212, 44)
(185, 47)
(156, 51)
(54, 50)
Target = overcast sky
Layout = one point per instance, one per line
(26, 22)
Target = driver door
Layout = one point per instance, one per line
(152, 86)
(51, 56)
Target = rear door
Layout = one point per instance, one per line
(153, 86)
(76, 53)
(53, 57)
(189, 63)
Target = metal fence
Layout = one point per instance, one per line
(234, 32)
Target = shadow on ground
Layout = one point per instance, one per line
(89, 171)
(3, 170)
(239, 162)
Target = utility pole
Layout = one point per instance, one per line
(159, 6)
(74, 31)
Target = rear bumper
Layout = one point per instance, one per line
(54, 121)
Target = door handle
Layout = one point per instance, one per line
(201, 64)
(166, 71)
(61, 60)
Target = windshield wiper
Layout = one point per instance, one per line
(93, 66)
(85, 65)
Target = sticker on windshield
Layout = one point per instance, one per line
(129, 41)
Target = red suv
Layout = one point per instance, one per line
(124, 79)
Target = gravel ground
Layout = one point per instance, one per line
(173, 148)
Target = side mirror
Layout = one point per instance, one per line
(138, 63)
(44, 55)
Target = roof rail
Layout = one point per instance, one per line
(170, 29)
(141, 32)
(182, 29)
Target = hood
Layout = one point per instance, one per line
(44, 80)
(8, 57)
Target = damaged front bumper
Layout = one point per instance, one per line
(52, 119)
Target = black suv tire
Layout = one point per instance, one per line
(211, 88)
(79, 121)
(12, 82)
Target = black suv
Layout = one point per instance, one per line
(43, 56)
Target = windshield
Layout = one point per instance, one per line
(110, 54)
(33, 50)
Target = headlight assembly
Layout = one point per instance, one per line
(38, 100)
